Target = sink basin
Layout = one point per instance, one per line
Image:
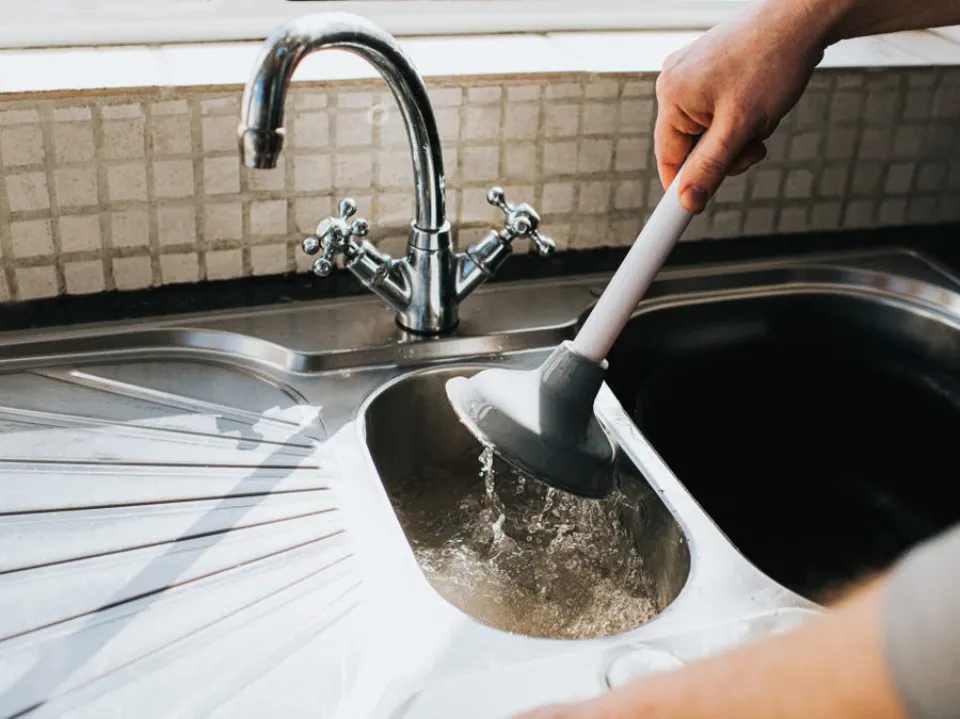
(817, 429)
(564, 567)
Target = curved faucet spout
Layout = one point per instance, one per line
(261, 128)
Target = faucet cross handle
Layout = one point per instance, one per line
(335, 235)
(522, 221)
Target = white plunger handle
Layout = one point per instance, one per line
(632, 279)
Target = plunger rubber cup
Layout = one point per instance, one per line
(542, 421)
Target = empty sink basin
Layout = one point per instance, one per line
(507, 550)
(818, 430)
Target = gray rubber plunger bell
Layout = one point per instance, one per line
(542, 421)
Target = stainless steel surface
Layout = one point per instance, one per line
(426, 287)
(195, 511)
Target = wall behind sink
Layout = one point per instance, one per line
(132, 190)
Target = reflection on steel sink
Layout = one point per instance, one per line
(196, 517)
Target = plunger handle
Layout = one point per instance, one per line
(632, 279)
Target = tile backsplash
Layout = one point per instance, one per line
(132, 190)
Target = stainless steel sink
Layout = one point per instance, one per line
(218, 515)
(429, 464)
(816, 428)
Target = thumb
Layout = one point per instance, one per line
(710, 161)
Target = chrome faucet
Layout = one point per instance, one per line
(426, 287)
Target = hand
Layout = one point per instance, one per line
(733, 86)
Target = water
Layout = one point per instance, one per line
(527, 558)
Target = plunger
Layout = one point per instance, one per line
(542, 421)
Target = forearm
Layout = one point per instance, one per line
(833, 668)
(875, 17)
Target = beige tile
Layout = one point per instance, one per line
(561, 120)
(793, 219)
(78, 113)
(632, 153)
(180, 267)
(393, 133)
(759, 221)
(273, 180)
(224, 264)
(396, 208)
(520, 161)
(84, 277)
(562, 90)
(27, 191)
(480, 164)
(31, 238)
(36, 282)
(268, 217)
(636, 116)
(170, 107)
(130, 228)
(268, 259)
(445, 96)
(806, 146)
(18, 117)
(892, 211)
(798, 185)
(221, 175)
(223, 221)
(522, 93)
(123, 139)
(559, 158)
(80, 233)
(229, 105)
(899, 178)
(309, 99)
(76, 186)
(859, 213)
(557, 198)
(595, 156)
(484, 95)
(170, 135)
(448, 124)
(132, 273)
(766, 184)
(629, 195)
(599, 119)
(308, 212)
(825, 216)
(312, 173)
(475, 208)
(21, 145)
(173, 178)
(74, 142)
(833, 181)
(176, 225)
(122, 111)
(394, 169)
(220, 133)
(354, 129)
(354, 100)
(481, 122)
(127, 181)
(353, 172)
(602, 88)
(310, 130)
(521, 121)
(639, 88)
(594, 197)
(732, 189)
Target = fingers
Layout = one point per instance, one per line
(674, 136)
(715, 155)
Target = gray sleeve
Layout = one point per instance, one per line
(921, 628)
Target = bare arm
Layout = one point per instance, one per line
(731, 87)
(832, 668)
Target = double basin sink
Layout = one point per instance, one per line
(276, 510)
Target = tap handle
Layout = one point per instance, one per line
(335, 235)
(522, 221)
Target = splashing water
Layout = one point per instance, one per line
(524, 557)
